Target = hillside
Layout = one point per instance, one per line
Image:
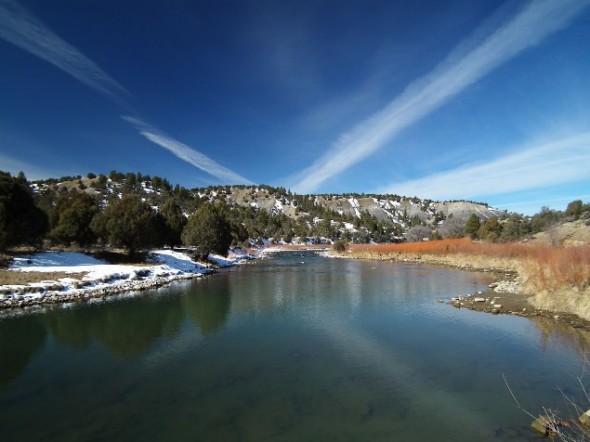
(276, 213)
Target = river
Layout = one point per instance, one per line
(296, 347)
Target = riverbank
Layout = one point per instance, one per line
(537, 280)
(47, 278)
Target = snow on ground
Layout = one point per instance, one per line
(221, 261)
(177, 260)
(54, 259)
(354, 203)
(350, 227)
(100, 278)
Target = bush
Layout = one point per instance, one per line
(340, 246)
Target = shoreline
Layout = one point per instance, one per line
(505, 296)
(87, 280)
(28, 303)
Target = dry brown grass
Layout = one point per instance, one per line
(548, 271)
(554, 267)
(301, 247)
(462, 246)
(11, 277)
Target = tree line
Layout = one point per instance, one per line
(135, 212)
(71, 216)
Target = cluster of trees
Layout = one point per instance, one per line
(135, 211)
(21, 222)
(70, 216)
(514, 226)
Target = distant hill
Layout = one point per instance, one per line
(280, 215)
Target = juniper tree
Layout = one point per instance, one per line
(127, 222)
(71, 219)
(21, 221)
(208, 230)
(472, 226)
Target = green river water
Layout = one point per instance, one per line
(296, 347)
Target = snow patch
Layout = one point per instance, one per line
(54, 259)
(101, 278)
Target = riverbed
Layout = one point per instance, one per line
(294, 347)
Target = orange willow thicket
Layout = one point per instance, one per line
(554, 267)
(549, 266)
(448, 247)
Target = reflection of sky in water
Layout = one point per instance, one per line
(328, 349)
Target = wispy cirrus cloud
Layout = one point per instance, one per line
(19, 27)
(186, 153)
(557, 162)
(536, 21)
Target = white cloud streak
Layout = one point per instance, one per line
(186, 153)
(19, 27)
(558, 162)
(536, 21)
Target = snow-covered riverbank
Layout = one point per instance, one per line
(94, 279)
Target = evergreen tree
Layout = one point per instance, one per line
(472, 226)
(71, 218)
(515, 228)
(21, 222)
(173, 222)
(490, 230)
(208, 230)
(545, 220)
(574, 209)
(127, 222)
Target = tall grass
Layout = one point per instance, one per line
(551, 268)
(542, 266)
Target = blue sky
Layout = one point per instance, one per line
(465, 99)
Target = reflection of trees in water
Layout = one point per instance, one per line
(71, 327)
(127, 328)
(575, 338)
(19, 339)
(132, 328)
(208, 306)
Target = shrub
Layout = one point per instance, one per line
(340, 246)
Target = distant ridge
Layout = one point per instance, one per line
(281, 215)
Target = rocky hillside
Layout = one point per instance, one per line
(350, 211)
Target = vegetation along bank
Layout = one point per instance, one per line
(551, 278)
(137, 213)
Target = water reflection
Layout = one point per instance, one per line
(348, 350)
(71, 327)
(132, 329)
(208, 305)
(574, 338)
(19, 340)
(127, 330)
